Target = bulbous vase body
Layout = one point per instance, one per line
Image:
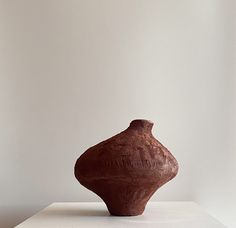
(126, 169)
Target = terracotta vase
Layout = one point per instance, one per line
(126, 169)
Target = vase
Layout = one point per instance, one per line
(126, 169)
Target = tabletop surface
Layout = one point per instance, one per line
(177, 214)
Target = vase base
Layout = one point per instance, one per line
(117, 211)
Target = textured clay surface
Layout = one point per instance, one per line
(126, 169)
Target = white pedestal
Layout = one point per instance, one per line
(156, 214)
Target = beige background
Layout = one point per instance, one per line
(73, 73)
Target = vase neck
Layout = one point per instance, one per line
(141, 124)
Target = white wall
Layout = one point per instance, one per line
(73, 73)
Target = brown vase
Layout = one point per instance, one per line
(126, 169)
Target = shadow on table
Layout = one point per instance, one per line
(78, 213)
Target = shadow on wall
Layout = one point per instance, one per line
(12, 216)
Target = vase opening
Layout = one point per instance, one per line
(141, 124)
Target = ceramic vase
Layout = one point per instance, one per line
(126, 169)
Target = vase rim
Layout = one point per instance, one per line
(141, 123)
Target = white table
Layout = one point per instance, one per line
(157, 214)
